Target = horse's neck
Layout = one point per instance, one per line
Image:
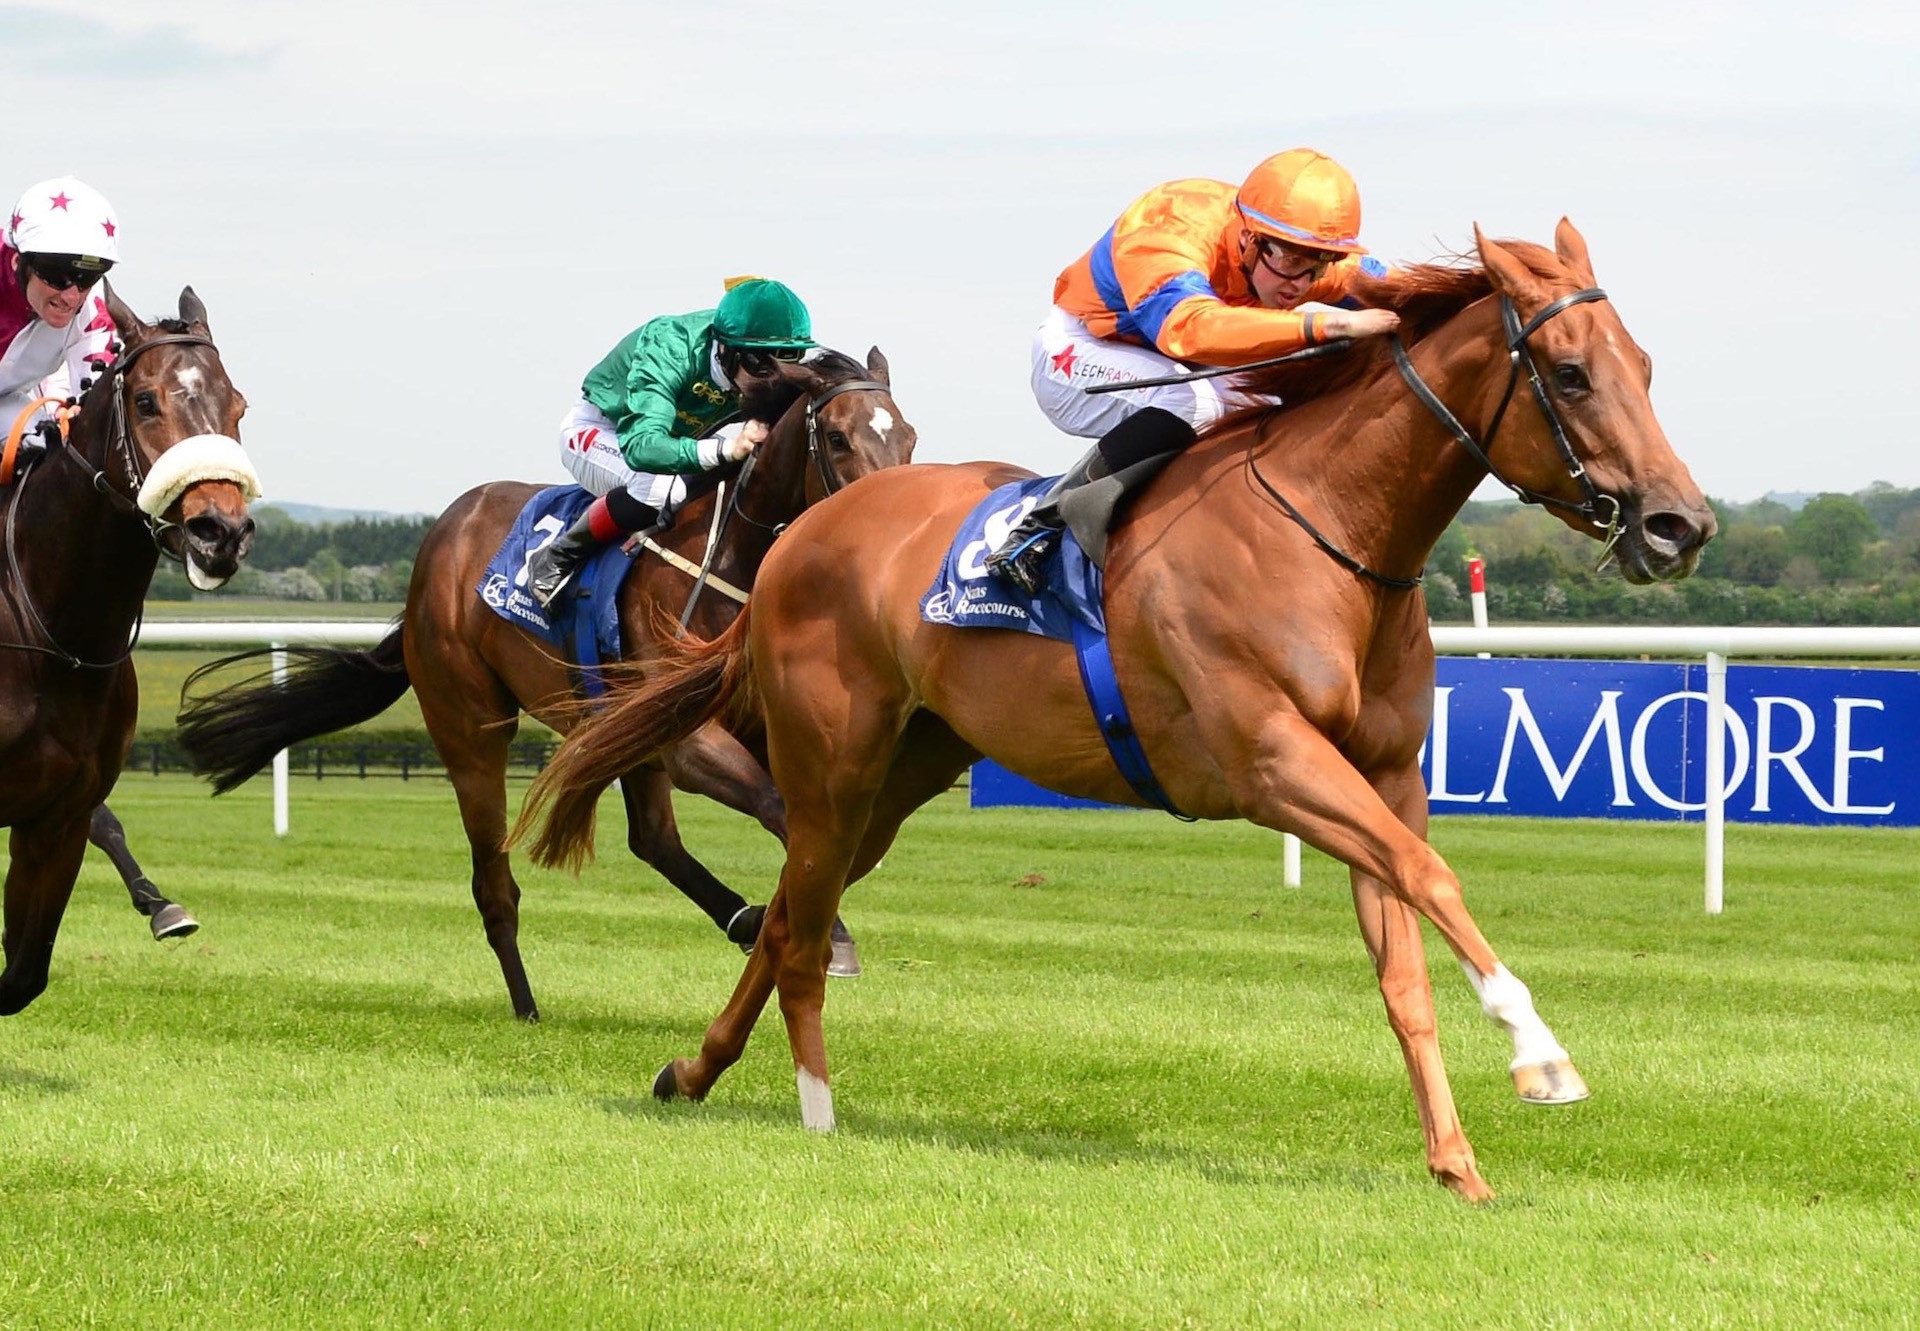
(1378, 466)
(775, 492)
(83, 562)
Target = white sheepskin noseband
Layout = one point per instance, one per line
(197, 458)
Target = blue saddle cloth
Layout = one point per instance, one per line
(584, 622)
(1069, 607)
(965, 596)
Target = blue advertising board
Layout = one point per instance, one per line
(1622, 739)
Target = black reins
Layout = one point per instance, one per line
(1597, 509)
(119, 439)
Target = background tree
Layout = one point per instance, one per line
(1833, 531)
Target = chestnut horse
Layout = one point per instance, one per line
(1267, 681)
(474, 672)
(153, 466)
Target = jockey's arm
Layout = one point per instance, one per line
(661, 369)
(1162, 274)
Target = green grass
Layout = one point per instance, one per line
(1155, 1089)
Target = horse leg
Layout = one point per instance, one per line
(473, 743)
(653, 836)
(1294, 780)
(713, 763)
(167, 919)
(45, 861)
(1392, 933)
(827, 820)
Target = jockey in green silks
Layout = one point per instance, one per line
(650, 415)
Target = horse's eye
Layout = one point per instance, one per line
(1571, 379)
(838, 441)
(147, 404)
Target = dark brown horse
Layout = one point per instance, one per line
(835, 421)
(153, 465)
(1267, 681)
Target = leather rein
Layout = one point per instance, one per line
(119, 440)
(1598, 510)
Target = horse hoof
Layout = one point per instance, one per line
(1468, 1187)
(666, 1086)
(844, 964)
(170, 921)
(1555, 1082)
(743, 930)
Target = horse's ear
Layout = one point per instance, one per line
(1571, 246)
(877, 366)
(128, 324)
(1508, 273)
(191, 307)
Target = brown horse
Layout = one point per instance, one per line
(1266, 680)
(836, 421)
(153, 466)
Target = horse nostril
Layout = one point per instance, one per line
(214, 531)
(1672, 529)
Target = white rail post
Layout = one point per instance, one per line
(1290, 859)
(1716, 818)
(1477, 589)
(280, 758)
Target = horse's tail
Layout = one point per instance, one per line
(649, 708)
(234, 732)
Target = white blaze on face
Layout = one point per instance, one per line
(882, 421)
(191, 383)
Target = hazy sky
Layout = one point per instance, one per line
(417, 225)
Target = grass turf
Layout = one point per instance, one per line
(1103, 1070)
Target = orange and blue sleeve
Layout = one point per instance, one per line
(1156, 286)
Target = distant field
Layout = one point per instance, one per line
(1102, 1071)
(248, 607)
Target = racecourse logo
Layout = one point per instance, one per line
(495, 592)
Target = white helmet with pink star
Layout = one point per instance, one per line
(65, 216)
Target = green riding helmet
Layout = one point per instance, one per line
(760, 313)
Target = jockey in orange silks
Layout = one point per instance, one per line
(1194, 272)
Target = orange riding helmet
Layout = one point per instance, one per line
(1304, 198)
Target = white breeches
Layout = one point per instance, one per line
(590, 451)
(1067, 359)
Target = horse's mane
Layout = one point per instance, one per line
(1424, 295)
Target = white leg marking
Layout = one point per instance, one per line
(882, 421)
(1506, 1001)
(816, 1102)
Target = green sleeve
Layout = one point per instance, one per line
(661, 369)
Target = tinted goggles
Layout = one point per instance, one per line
(63, 274)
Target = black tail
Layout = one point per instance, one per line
(234, 732)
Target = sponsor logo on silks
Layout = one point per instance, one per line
(495, 592)
(1063, 361)
(707, 392)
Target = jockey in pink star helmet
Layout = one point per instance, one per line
(61, 238)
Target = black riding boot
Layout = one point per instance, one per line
(1148, 433)
(609, 518)
(554, 564)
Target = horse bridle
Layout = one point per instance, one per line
(120, 439)
(830, 482)
(1596, 509)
